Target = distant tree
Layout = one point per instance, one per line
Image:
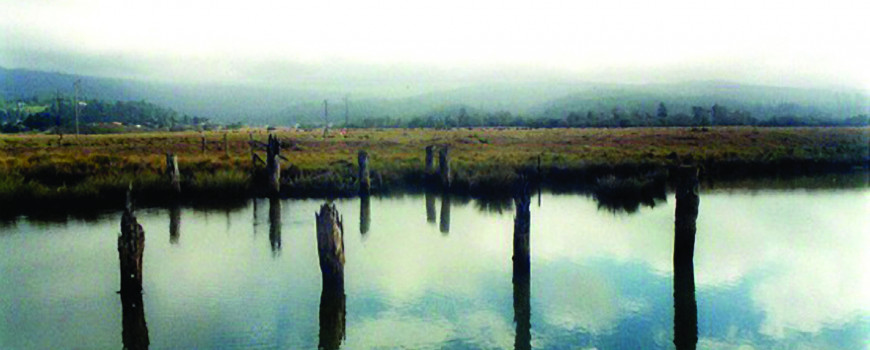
(662, 114)
(700, 116)
(719, 115)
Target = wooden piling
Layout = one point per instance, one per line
(273, 165)
(686, 214)
(364, 179)
(430, 160)
(172, 172)
(134, 329)
(444, 165)
(131, 245)
(202, 143)
(330, 247)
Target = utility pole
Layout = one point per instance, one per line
(325, 113)
(77, 85)
(346, 113)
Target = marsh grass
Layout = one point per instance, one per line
(38, 168)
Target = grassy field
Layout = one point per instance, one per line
(42, 168)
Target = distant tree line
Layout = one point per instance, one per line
(617, 117)
(58, 114)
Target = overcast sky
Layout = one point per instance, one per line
(790, 43)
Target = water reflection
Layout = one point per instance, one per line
(174, 223)
(332, 318)
(628, 194)
(685, 307)
(275, 225)
(522, 273)
(430, 206)
(134, 334)
(365, 213)
(444, 223)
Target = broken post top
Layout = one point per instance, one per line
(330, 246)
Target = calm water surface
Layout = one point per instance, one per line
(772, 269)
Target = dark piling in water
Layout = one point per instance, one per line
(330, 249)
(522, 269)
(131, 246)
(685, 306)
(275, 225)
(430, 161)
(444, 166)
(364, 179)
(444, 222)
(273, 165)
(172, 172)
(330, 246)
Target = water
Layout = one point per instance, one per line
(772, 269)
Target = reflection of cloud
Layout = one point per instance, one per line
(391, 330)
(812, 245)
(579, 300)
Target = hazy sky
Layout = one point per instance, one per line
(369, 42)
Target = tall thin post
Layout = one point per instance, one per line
(273, 164)
(686, 213)
(131, 246)
(430, 160)
(172, 172)
(522, 268)
(444, 165)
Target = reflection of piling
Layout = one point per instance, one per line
(444, 166)
(275, 224)
(365, 213)
(364, 180)
(134, 330)
(174, 223)
(330, 246)
(444, 222)
(131, 245)
(430, 206)
(522, 270)
(273, 164)
(685, 306)
(172, 172)
(332, 319)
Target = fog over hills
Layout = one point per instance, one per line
(285, 105)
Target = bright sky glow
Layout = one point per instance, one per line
(771, 42)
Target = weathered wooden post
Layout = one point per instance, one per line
(202, 143)
(174, 223)
(273, 164)
(172, 172)
(364, 179)
(444, 223)
(522, 267)
(365, 214)
(274, 225)
(330, 246)
(330, 249)
(430, 206)
(226, 144)
(444, 165)
(430, 160)
(131, 246)
(686, 214)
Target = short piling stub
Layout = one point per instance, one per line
(330, 247)
(365, 184)
(172, 172)
(444, 166)
(131, 245)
